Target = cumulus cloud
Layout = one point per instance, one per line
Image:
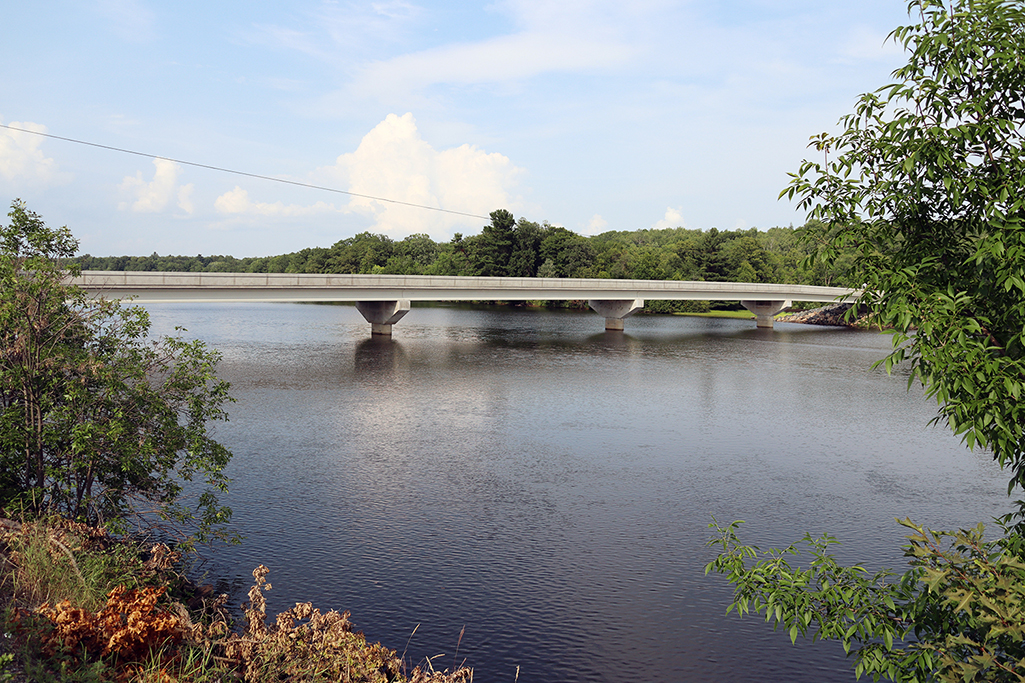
(237, 202)
(185, 198)
(21, 157)
(596, 225)
(394, 162)
(672, 219)
(393, 168)
(155, 195)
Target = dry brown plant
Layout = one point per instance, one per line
(72, 627)
(134, 625)
(460, 675)
(130, 627)
(138, 637)
(305, 644)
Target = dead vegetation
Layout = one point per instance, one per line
(83, 607)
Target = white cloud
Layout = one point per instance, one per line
(394, 162)
(340, 32)
(505, 58)
(21, 157)
(237, 202)
(596, 225)
(154, 196)
(393, 49)
(185, 198)
(672, 219)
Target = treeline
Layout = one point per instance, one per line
(523, 248)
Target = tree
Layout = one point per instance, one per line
(493, 248)
(526, 255)
(927, 193)
(100, 424)
(420, 248)
(747, 260)
(925, 199)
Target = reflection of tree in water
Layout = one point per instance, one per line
(379, 356)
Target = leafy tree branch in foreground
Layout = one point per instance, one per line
(923, 194)
(958, 614)
(927, 194)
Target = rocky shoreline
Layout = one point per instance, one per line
(830, 314)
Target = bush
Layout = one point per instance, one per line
(99, 423)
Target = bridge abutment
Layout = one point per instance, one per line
(764, 310)
(383, 314)
(615, 310)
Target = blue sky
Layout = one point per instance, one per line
(589, 114)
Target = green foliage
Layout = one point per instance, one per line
(958, 613)
(924, 195)
(6, 660)
(922, 203)
(99, 423)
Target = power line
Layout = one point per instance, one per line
(244, 173)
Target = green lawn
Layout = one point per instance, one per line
(722, 314)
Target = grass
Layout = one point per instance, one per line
(87, 608)
(47, 563)
(745, 314)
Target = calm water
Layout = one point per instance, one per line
(548, 485)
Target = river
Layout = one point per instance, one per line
(548, 486)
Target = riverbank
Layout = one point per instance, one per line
(80, 605)
(834, 315)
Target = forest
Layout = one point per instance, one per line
(523, 248)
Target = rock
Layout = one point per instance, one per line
(830, 314)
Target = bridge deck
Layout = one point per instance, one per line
(152, 287)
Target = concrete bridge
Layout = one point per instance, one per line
(384, 299)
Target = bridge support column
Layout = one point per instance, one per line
(615, 310)
(764, 310)
(383, 314)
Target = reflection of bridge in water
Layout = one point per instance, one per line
(384, 299)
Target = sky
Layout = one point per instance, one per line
(591, 114)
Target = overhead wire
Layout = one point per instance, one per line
(244, 173)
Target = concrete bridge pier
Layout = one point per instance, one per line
(764, 310)
(383, 314)
(615, 310)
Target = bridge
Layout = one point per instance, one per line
(384, 299)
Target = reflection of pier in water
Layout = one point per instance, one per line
(383, 300)
(379, 356)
